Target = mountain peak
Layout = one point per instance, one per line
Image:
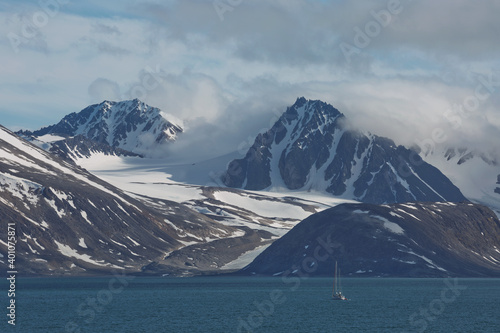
(131, 125)
(310, 148)
(302, 107)
(300, 101)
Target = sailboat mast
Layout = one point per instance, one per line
(340, 286)
(335, 287)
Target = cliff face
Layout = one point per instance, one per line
(400, 240)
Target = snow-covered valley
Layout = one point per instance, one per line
(275, 211)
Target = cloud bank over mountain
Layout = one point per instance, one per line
(418, 72)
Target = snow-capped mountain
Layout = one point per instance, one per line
(312, 147)
(128, 125)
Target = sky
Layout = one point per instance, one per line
(420, 72)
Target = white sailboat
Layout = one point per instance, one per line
(337, 288)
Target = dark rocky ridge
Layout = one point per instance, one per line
(401, 240)
(80, 147)
(312, 148)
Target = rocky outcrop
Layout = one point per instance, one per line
(497, 190)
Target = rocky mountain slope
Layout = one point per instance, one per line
(406, 240)
(128, 125)
(311, 147)
(69, 222)
(79, 147)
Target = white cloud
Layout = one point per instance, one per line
(226, 80)
(103, 89)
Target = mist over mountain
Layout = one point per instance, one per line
(474, 171)
(312, 146)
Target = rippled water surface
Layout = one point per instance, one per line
(241, 304)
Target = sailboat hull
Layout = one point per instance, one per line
(339, 298)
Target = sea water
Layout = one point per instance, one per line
(252, 304)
